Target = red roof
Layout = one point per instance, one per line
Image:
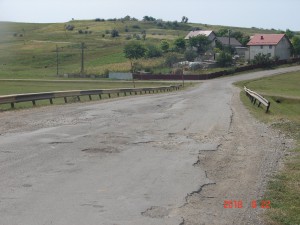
(266, 39)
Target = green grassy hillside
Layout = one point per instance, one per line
(29, 50)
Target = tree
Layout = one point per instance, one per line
(224, 59)
(244, 41)
(164, 45)
(134, 51)
(184, 19)
(200, 42)
(296, 45)
(223, 32)
(290, 34)
(149, 19)
(179, 44)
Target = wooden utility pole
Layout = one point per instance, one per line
(82, 58)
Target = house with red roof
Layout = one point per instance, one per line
(277, 45)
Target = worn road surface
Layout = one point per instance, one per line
(169, 159)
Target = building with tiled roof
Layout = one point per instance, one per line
(226, 41)
(208, 33)
(277, 45)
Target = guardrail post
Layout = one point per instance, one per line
(135, 93)
(100, 96)
(65, 98)
(125, 93)
(33, 103)
(118, 94)
(141, 92)
(269, 104)
(109, 95)
(90, 97)
(51, 101)
(12, 105)
(78, 98)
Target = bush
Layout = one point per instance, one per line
(224, 59)
(153, 51)
(171, 59)
(114, 33)
(136, 26)
(164, 45)
(190, 55)
(262, 60)
(99, 20)
(70, 27)
(128, 37)
(80, 32)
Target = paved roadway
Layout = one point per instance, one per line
(126, 161)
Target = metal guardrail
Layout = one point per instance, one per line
(253, 96)
(33, 97)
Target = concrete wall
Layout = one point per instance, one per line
(264, 49)
(120, 76)
(283, 49)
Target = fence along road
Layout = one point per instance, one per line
(33, 97)
(133, 161)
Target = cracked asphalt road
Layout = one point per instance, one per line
(154, 159)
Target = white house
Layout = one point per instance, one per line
(208, 33)
(274, 44)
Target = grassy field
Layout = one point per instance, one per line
(29, 50)
(284, 189)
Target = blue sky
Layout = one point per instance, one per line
(276, 14)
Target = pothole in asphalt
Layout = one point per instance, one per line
(101, 150)
(156, 212)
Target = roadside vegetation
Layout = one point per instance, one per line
(283, 189)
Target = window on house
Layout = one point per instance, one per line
(261, 47)
(270, 46)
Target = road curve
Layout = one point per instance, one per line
(125, 161)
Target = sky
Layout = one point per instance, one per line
(277, 14)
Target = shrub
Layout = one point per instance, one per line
(262, 60)
(171, 59)
(164, 45)
(69, 27)
(135, 26)
(190, 55)
(99, 20)
(80, 32)
(128, 37)
(114, 33)
(153, 51)
(224, 59)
